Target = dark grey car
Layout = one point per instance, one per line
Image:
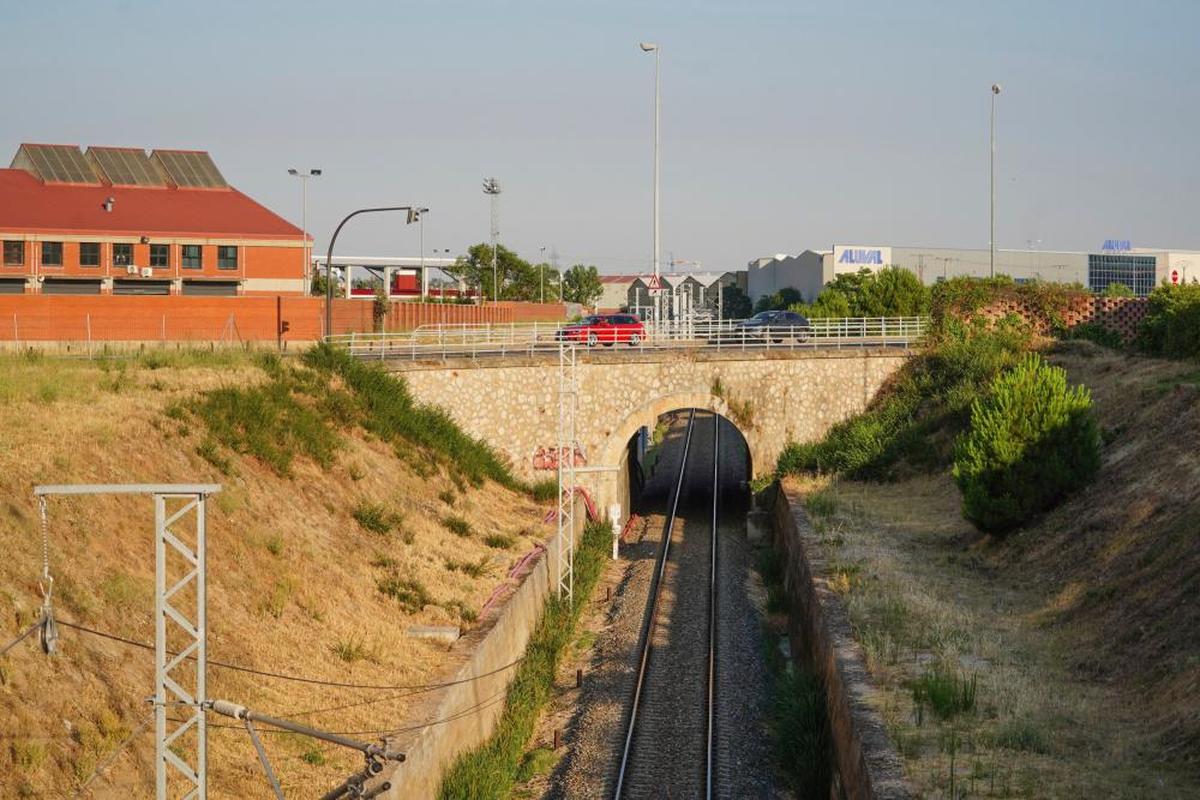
(774, 326)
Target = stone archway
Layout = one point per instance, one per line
(647, 414)
(613, 487)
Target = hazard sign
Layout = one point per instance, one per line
(654, 285)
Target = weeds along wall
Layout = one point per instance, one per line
(866, 764)
(114, 318)
(470, 708)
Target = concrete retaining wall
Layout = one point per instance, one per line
(465, 715)
(865, 761)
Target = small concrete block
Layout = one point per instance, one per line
(447, 634)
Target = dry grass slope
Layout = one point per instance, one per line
(1060, 662)
(317, 567)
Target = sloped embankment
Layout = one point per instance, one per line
(348, 515)
(1060, 660)
(1124, 555)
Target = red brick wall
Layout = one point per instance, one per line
(1123, 315)
(39, 318)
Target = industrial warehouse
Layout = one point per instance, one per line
(118, 221)
(1139, 268)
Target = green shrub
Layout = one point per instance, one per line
(272, 422)
(1118, 289)
(387, 409)
(457, 525)
(889, 292)
(376, 518)
(800, 728)
(1172, 323)
(544, 491)
(490, 770)
(915, 416)
(1032, 441)
(1105, 337)
(499, 541)
(410, 593)
(944, 692)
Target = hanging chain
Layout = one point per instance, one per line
(49, 632)
(48, 588)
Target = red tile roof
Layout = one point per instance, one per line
(29, 206)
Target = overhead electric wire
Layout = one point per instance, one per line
(466, 712)
(103, 765)
(411, 688)
(28, 631)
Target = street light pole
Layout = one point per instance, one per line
(491, 187)
(312, 173)
(420, 214)
(542, 274)
(992, 208)
(648, 47)
(329, 260)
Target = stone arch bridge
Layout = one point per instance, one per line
(773, 398)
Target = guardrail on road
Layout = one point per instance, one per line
(439, 342)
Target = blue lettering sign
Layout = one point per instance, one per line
(1118, 245)
(861, 257)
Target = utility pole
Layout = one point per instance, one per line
(312, 173)
(491, 187)
(992, 208)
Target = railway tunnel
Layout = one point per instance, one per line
(680, 706)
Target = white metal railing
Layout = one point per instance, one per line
(439, 342)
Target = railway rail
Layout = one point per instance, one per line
(640, 756)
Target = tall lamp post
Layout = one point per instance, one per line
(992, 208)
(542, 273)
(329, 257)
(304, 176)
(491, 187)
(651, 47)
(419, 215)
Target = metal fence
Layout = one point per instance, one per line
(440, 342)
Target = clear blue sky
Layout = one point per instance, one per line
(785, 125)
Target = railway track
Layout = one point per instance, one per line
(669, 742)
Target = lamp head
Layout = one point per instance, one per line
(314, 172)
(995, 88)
(293, 172)
(647, 46)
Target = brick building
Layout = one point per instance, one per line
(118, 221)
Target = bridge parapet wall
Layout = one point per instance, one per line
(772, 398)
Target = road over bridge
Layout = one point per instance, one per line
(772, 396)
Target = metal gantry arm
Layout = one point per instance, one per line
(352, 787)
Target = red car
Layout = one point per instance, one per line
(605, 329)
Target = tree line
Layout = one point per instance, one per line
(521, 280)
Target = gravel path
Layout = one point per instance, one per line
(667, 761)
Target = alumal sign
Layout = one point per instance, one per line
(1117, 245)
(852, 258)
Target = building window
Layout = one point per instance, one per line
(14, 253)
(1136, 272)
(89, 254)
(227, 256)
(190, 256)
(122, 255)
(52, 254)
(160, 255)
